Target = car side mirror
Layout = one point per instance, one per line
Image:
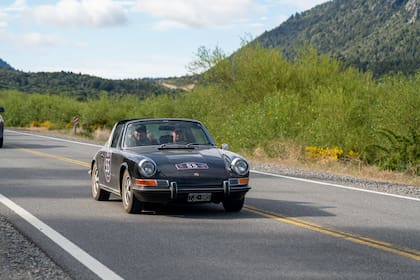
(225, 146)
(1, 109)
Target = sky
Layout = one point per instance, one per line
(130, 39)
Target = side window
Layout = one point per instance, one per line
(117, 135)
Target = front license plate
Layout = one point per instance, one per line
(199, 197)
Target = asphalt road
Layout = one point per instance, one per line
(289, 229)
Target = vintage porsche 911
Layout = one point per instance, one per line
(167, 160)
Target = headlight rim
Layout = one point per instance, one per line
(234, 166)
(142, 169)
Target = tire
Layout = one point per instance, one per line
(1, 142)
(97, 192)
(130, 203)
(233, 205)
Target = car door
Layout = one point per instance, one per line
(114, 158)
(105, 158)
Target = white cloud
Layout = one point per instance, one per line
(8, 12)
(38, 39)
(152, 66)
(74, 13)
(3, 21)
(198, 13)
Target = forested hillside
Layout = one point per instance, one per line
(378, 35)
(78, 86)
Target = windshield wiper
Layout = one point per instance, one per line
(191, 144)
(175, 146)
(197, 144)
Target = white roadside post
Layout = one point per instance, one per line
(75, 124)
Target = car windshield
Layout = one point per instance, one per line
(166, 133)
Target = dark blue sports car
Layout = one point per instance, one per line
(167, 160)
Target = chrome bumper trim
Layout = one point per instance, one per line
(174, 190)
(226, 188)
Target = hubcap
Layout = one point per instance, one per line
(127, 193)
(96, 181)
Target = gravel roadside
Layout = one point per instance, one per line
(21, 259)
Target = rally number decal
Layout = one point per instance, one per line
(191, 165)
(107, 167)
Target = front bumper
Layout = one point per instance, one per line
(167, 191)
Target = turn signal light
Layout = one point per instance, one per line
(146, 183)
(243, 181)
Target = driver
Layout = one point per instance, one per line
(139, 137)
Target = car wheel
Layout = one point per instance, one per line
(233, 205)
(130, 202)
(97, 192)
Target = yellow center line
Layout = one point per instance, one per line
(370, 242)
(70, 160)
(362, 240)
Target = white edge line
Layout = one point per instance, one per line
(334, 185)
(87, 260)
(54, 138)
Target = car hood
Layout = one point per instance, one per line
(196, 165)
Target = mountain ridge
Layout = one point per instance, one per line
(80, 86)
(382, 36)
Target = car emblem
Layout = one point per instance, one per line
(191, 165)
(196, 174)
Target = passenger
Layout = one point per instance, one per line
(139, 137)
(178, 136)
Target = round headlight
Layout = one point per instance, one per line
(147, 168)
(239, 166)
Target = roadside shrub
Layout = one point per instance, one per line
(397, 153)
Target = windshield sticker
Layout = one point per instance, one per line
(191, 165)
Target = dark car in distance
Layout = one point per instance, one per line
(1, 127)
(160, 161)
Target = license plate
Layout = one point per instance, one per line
(199, 197)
